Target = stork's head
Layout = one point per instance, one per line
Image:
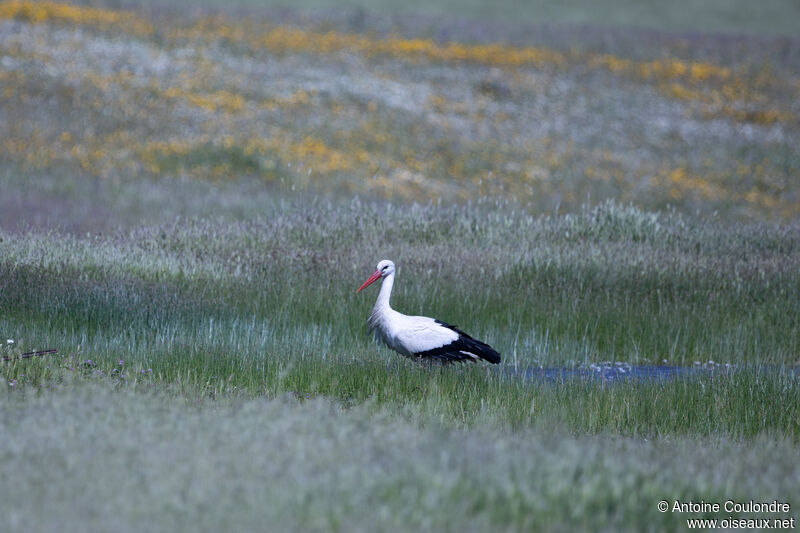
(385, 268)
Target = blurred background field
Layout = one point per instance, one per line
(189, 197)
(771, 17)
(561, 117)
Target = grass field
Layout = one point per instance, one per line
(139, 462)
(189, 201)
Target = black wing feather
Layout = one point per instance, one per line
(459, 349)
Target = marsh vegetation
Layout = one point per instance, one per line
(189, 201)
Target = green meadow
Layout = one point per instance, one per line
(186, 212)
(238, 349)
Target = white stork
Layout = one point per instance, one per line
(420, 337)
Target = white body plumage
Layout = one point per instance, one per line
(420, 337)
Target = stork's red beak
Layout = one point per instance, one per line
(372, 279)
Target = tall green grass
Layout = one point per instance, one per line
(267, 307)
(612, 283)
(87, 458)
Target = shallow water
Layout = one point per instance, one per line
(617, 371)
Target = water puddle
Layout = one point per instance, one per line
(617, 371)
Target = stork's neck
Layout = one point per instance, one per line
(386, 292)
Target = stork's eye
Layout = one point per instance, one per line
(384, 268)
